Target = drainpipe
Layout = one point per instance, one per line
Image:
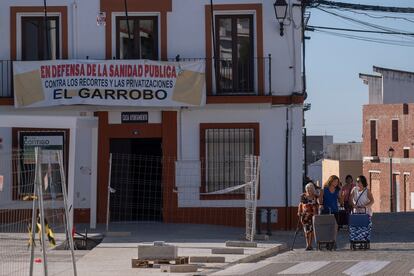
(46, 29)
(215, 60)
(74, 29)
(294, 69)
(180, 134)
(286, 170)
(129, 46)
(290, 166)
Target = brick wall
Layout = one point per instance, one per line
(378, 171)
(384, 114)
(378, 175)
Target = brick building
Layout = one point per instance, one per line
(388, 122)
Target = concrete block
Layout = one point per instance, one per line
(261, 237)
(227, 251)
(151, 252)
(241, 244)
(207, 259)
(185, 268)
(159, 243)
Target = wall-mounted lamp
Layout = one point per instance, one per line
(135, 132)
(281, 7)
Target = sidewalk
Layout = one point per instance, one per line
(113, 256)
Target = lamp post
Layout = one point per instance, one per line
(390, 155)
(280, 7)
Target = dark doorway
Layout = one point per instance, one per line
(136, 177)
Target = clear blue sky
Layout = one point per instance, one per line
(333, 64)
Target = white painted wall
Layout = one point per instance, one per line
(83, 168)
(272, 148)
(315, 171)
(89, 38)
(390, 86)
(374, 88)
(398, 88)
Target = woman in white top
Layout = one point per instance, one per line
(362, 199)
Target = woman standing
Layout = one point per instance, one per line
(308, 207)
(346, 192)
(362, 199)
(330, 196)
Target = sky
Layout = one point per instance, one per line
(335, 91)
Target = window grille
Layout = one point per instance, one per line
(226, 149)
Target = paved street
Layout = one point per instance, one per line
(392, 253)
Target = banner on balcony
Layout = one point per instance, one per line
(111, 83)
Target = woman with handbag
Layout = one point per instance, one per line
(362, 199)
(360, 223)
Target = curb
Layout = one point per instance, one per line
(279, 248)
(263, 254)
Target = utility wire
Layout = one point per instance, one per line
(367, 39)
(360, 22)
(378, 16)
(312, 28)
(335, 5)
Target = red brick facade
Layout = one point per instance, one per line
(376, 165)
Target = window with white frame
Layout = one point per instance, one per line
(40, 38)
(234, 35)
(138, 39)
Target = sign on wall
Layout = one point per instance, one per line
(49, 142)
(101, 19)
(110, 82)
(134, 117)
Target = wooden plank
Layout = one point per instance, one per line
(143, 263)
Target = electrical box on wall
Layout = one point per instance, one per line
(273, 215)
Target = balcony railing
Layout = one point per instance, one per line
(228, 77)
(239, 77)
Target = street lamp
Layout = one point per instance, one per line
(280, 7)
(390, 155)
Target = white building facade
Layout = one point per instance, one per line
(253, 93)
